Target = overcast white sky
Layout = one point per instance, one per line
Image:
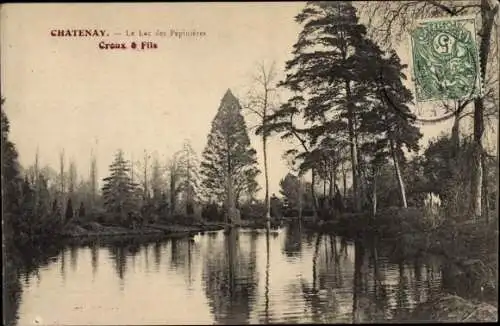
(66, 93)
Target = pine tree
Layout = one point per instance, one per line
(229, 161)
(331, 69)
(118, 190)
(389, 123)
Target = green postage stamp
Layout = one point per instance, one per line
(445, 59)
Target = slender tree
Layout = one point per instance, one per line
(62, 176)
(174, 177)
(388, 121)
(188, 174)
(93, 179)
(145, 178)
(282, 121)
(261, 101)
(72, 179)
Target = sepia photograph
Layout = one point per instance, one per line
(201, 163)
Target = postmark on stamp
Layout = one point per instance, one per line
(445, 59)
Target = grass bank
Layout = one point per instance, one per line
(92, 230)
(451, 308)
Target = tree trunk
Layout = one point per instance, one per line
(477, 166)
(146, 192)
(330, 189)
(300, 197)
(172, 192)
(266, 174)
(455, 134)
(487, 17)
(398, 175)
(313, 195)
(344, 182)
(37, 183)
(229, 199)
(93, 180)
(374, 193)
(187, 190)
(358, 315)
(477, 171)
(485, 196)
(232, 213)
(362, 192)
(354, 150)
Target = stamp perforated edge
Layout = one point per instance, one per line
(479, 80)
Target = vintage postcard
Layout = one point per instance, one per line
(249, 162)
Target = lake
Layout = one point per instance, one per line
(246, 276)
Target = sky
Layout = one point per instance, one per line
(66, 93)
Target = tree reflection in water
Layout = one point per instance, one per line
(181, 259)
(321, 297)
(311, 292)
(157, 254)
(18, 263)
(293, 241)
(351, 282)
(379, 292)
(146, 255)
(265, 318)
(94, 255)
(73, 256)
(230, 281)
(11, 289)
(118, 254)
(372, 299)
(62, 269)
(178, 253)
(358, 295)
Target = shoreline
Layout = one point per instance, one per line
(93, 229)
(76, 233)
(409, 238)
(448, 307)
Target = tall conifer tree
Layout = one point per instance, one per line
(229, 162)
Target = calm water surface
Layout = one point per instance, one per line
(242, 277)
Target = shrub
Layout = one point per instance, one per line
(255, 211)
(212, 212)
